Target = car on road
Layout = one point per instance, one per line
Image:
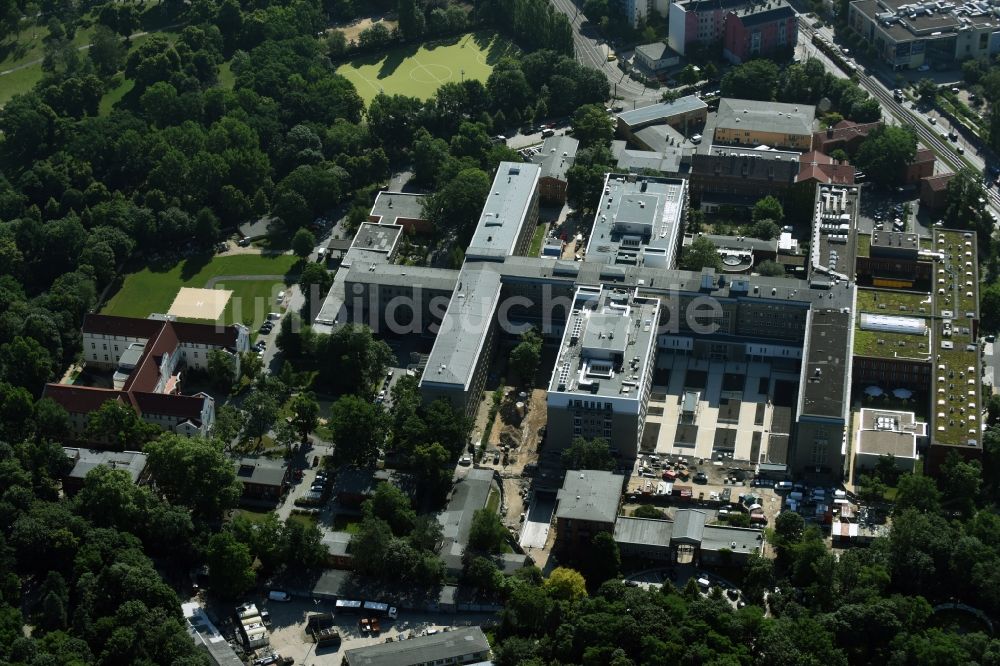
(465, 461)
(496, 458)
(932, 120)
(279, 595)
(924, 68)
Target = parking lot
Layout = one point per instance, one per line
(880, 209)
(289, 638)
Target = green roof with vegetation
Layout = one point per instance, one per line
(956, 398)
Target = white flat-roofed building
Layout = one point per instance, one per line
(509, 214)
(639, 221)
(602, 377)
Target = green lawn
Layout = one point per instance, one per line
(153, 288)
(493, 501)
(308, 521)
(254, 516)
(894, 345)
(536, 241)
(226, 76)
(419, 71)
(114, 95)
(349, 524)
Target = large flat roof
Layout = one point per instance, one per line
(464, 327)
(608, 339)
(637, 213)
(773, 117)
(506, 207)
(391, 205)
(591, 495)
(372, 244)
(825, 385)
(443, 647)
(659, 533)
(662, 112)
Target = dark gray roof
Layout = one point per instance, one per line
(557, 156)
(746, 165)
(826, 370)
(424, 277)
(590, 494)
(446, 646)
(85, 460)
(761, 14)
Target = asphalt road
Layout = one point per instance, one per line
(591, 53)
(901, 114)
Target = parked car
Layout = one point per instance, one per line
(279, 595)
(465, 461)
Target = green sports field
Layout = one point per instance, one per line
(153, 289)
(419, 71)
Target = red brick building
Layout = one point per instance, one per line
(922, 166)
(846, 135)
(759, 30)
(934, 190)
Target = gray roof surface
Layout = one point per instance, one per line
(424, 277)
(464, 327)
(672, 160)
(661, 138)
(826, 370)
(882, 443)
(85, 460)
(765, 116)
(689, 524)
(742, 243)
(263, 471)
(468, 496)
(132, 355)
(205, 634)
(643, 531)
(504, 211)
(653, 51)
(648, 208)
(591, 495)
(758, 14)
(599, 330)
(445, 645)
(390, 205)
(336, 543)
(557, 156)
(372, 244)
(662, 111)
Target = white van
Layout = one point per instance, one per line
(274, 316)
(704, 582)
(783, 486)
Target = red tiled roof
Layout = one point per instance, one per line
(81, 399)
(938, 182)
(824, 169)
(183, 406)
(123, 326)
(147, 370)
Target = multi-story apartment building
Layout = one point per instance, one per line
(699, 22)
(759, 30)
